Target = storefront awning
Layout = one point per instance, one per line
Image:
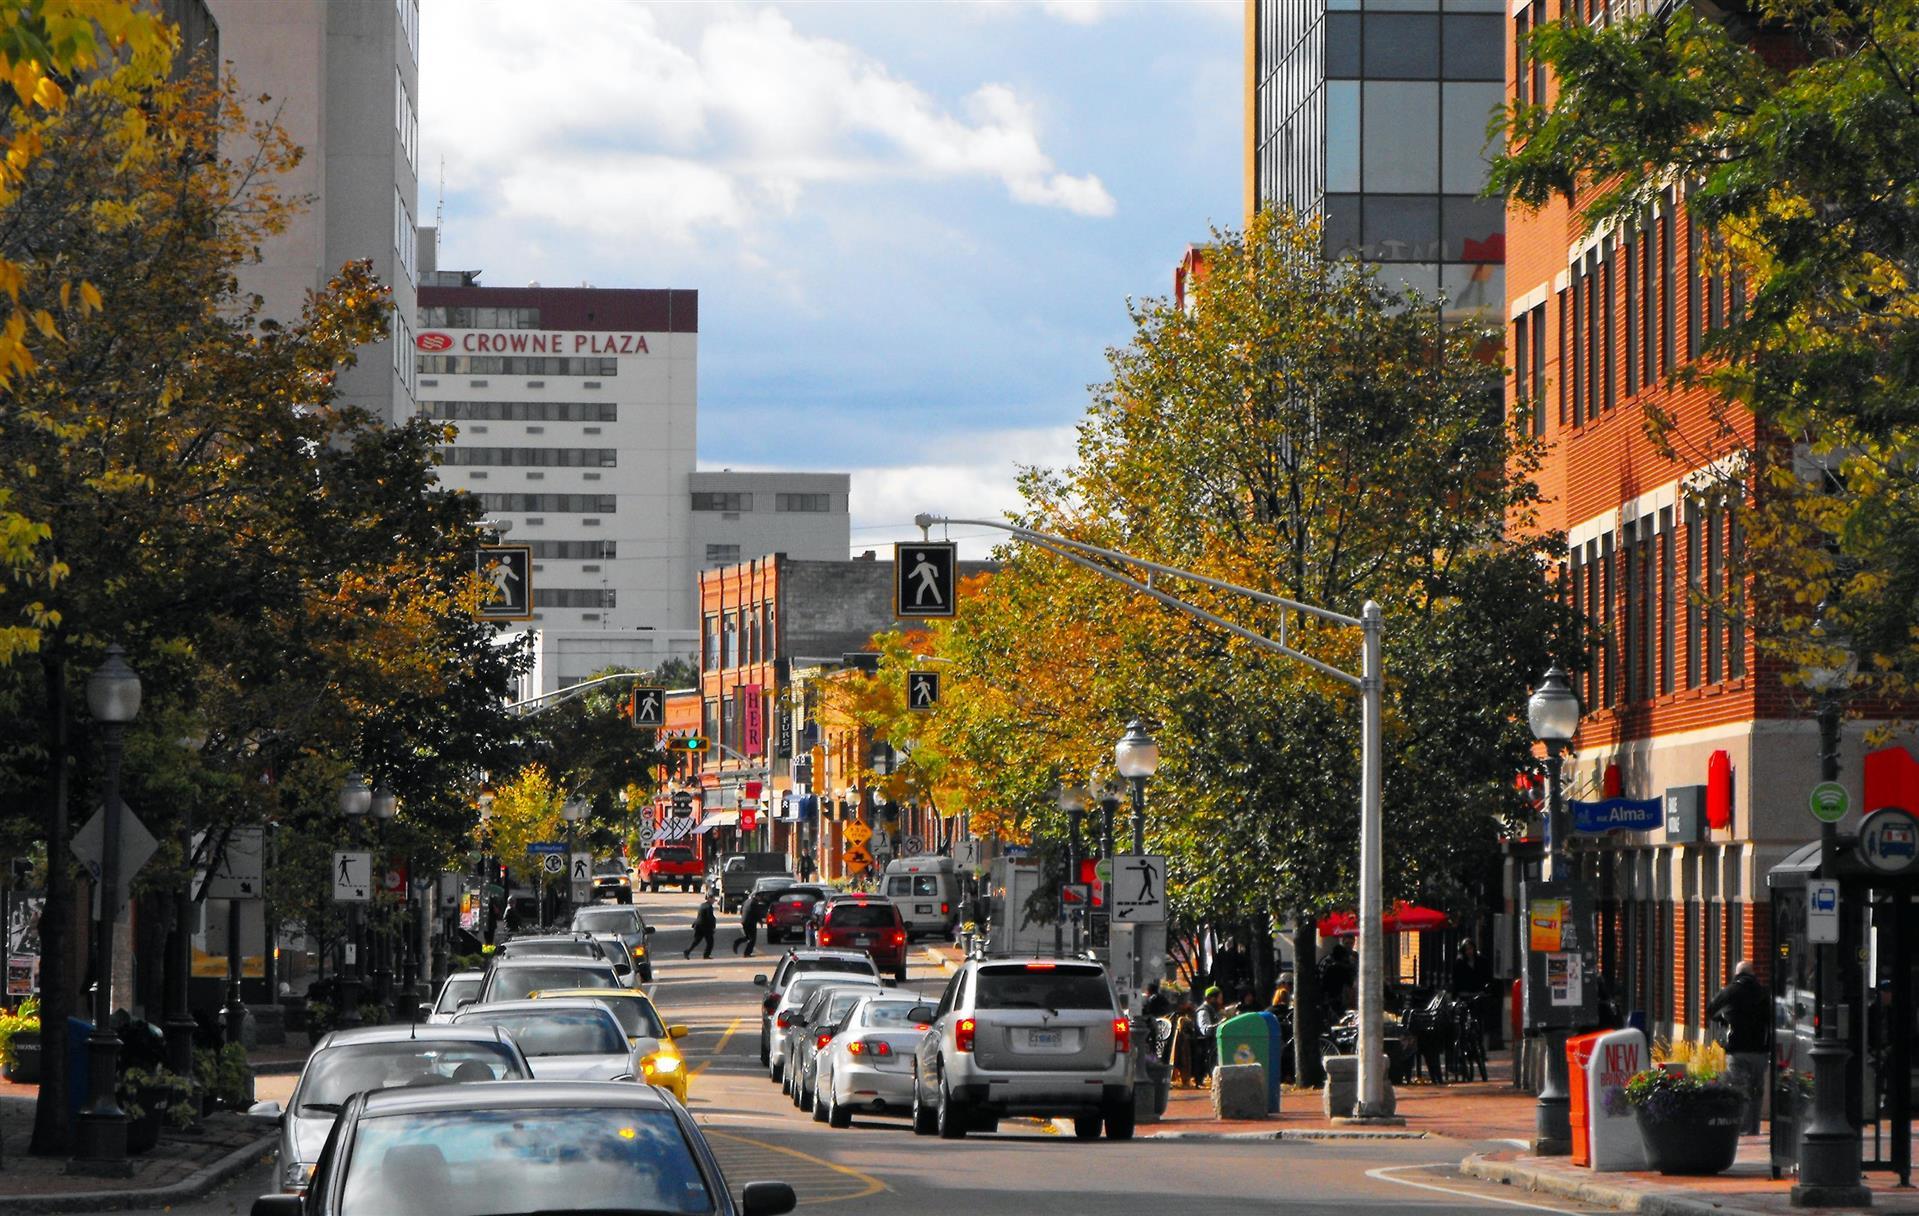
(718, 819)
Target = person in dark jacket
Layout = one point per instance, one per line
(704, 923)
(1746, 1010)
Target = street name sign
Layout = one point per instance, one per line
(922, 691)
(1617, 815)
(924, 578)
(352, 877)
(506, 575)
(1137, 893)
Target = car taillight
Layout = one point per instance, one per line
(821, 1040)
(899, 939)
(1122, 1035)
(770, 919)
(771, 1003)
(963, 1034)
(826, 939)
(945, 908)
(780, 1021)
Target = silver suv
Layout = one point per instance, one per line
(1036, 1036)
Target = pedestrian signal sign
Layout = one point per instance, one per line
(506, 575)
(647, 707)
(688, 743)
(923, 579)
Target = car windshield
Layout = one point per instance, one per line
(673, 854)
(796, 901)
(1042, 987)
(854, 966)
(840, 1004)
(862, 916)
(554, 949)
(489, 1162)
(892, 1015)
(512, 984)
(456, 990)
(636, 1017)
(559, 1032)
(607, 920)
(338, 1073)
(801, 989)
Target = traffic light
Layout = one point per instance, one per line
(687, 743)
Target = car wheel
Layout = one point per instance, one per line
(779, 1073)
(837, 1115)
(816, 1101)
(1086, 1126)
(899, 974)
(764, 1054)
(950, 1118)
(1119, 1121)
(646, 974)
(923, 1119)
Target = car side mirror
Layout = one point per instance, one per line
(265, 1110)
(762, 1199)
(920, 1013)
(759, 981)
(425, 1011)
(676, 1031)
(293, 1205)
(463, 1004)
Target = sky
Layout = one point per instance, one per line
(914, 227)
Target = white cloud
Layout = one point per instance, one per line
(621, 118)
(968, 477)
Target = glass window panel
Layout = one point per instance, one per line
(1401, 6)
(1468, 109)
(1342, 136)
(1475, 48)
(1474, 6)
(1342, 6)
(1400, 229)
(1401, 139)
(1402, 46)
(1342, 225)
(1342, 45)
(1473, 229)
(1476, 291)
(1423, 279)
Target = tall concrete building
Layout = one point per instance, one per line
(343, 78)
(1372, 114)
(742, 515)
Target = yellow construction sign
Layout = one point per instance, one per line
(857, 834)
(857, 858)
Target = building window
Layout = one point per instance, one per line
(1522, 369)
(710, 500)
(1665, 287)
(577, 504)
(576, 550)
(1606, 324)
(1695, 314)
(573, 597)
(1667, 602)
(524, 411)
(532, 458)
(517, 365)
(710, 647)
(722, 555)
(403, 354)
(1715, 595)
(1631, 285)
(409, 17)
(1630, 591)
(465, 316)
(710, 719)
(1648, 305)
(1539, 369)
(1564, 357)
(406, 239)
(1735, 598)
(406, 120)
(729, 640)
(802, 502)
(1608, 623)
(1695, 592)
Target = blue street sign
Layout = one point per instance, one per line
(1618, 815)
(539, 847)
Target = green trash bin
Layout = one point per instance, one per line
(1253, 1038)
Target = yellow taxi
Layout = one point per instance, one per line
(655, 1042)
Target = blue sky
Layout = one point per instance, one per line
(913, 227)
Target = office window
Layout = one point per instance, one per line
(1403, 46)
(1666, 287)
(463, 316)
(1342, 46)
(1592, 336)
(709, 500)
(729, 640)
(406, 240)
(710, 718)
(1630, 274)
(532, 458)
(406, 120)
(1522, 370)
(722, 555)
(1715, 595)
(1342, 136)
(1735, 597)
(1399, 228)
(1400, 140)
(579, 504)
(1606, 324)
(1648, 283)
(1695, 312)
(1667, 602)
(573, 597)
(1695, 592)
(802, 502)
(1564, 378)
(1539, 368)
(524, 411)
(1522, 68)
(1608, 623)
(710, 644)
(575, 550)
(408, 12)
(517, 365)
(1466, 107)
(1575, 347)
(1595, 651)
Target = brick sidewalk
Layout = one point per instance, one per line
(1748, 1187)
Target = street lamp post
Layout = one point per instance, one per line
(384, 804)
(1553, 714)
(113, 698)
(1109, 794)
(484, 800)
(1072, 800)
(1136, 756)
(1829, 1150)
(179, 1022)
(355, 797)
(572, 810)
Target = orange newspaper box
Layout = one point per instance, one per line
(1579, 1053)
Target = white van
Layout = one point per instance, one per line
(926, 891)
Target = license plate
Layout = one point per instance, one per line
(1042, 1038)
(923, 909)
(862, 940)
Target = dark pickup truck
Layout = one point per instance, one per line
(739, 871)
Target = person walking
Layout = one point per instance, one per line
(1746, 1011)
(703, 925)
(806, 865)
(749, 926)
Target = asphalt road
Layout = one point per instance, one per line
(878, 1165)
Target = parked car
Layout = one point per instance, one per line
(565, 1039)
(469, 1150)
(1042, 1037)
(866, 923)
(348, 1062)
(867, 1065)
(458, 987)
(652, 1040)
(739, 871)
(577, 944)
(797, 993)
(801, 962)
(671, 865)
(514, 979)
(810, 1031)
(926, 891)
(625, 923)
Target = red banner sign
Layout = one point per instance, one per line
(752, 720)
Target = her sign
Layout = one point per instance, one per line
(1614, 1135)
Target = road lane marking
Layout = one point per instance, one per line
(869, 1184)
(717, 1048)
(1384, 1174)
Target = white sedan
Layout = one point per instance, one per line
(563, 1038)
(868, 1064)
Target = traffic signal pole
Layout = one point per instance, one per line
(1375, 1102)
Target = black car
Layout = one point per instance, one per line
(513, 1148)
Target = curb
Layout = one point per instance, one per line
(193, 1186)
(1619, 1198)
(1293, 1134)
(946, 965)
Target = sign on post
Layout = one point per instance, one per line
(922, 690)
(858, 833)
(582, 869)
(1617, 815)
(506, 572)
(649, 707)
(646, 835)
(1889, 840)
(1074, 896)
(1822, 913)
(352, 877)
(1138, 890)
(239, 870)
(924, 577)
(682, 802)
(912, 846)
(136, 846)
(1828, 802)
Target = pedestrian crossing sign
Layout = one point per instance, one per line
(506, 582)
(924, 575)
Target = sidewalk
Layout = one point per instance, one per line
(1748, 1187)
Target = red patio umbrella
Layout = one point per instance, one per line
(1401, 918)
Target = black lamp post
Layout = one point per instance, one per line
(383, 805)
(1829, 1150)
(1553, 714)
(356, 796)
(1072, 800)
(179, 1021)
(1136, 756)
(113, 698)
(572, 810)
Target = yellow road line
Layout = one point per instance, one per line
(873, 1185)
(718, 1047)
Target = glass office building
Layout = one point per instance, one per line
(1374, 114)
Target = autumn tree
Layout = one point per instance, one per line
(1787, 130)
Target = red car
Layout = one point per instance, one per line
(788, 913)
(671, 864)
(866, 923)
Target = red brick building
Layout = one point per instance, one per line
(1679, 703)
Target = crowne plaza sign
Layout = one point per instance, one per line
(529, 342)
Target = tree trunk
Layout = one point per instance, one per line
(1263, 978)
(1306, 1002)
(56, 973)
